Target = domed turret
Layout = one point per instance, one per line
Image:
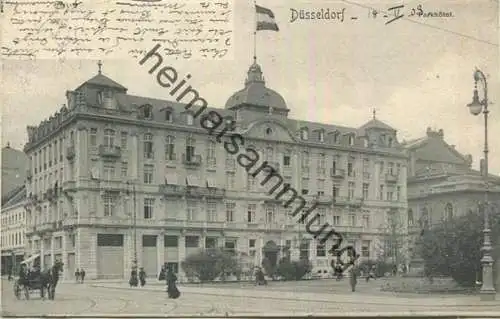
(256, 93)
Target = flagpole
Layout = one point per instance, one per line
(255, 33)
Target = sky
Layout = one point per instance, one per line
(416, 72)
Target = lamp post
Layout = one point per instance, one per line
(134, 224)
(476, 107)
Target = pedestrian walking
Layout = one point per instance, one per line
(82, 275)
(9, 278)
(353, 278)
(260, 279)
(77, 275)
(172, 290)
(142, 276)
(371, 274)
(161, 276)
(133, 277)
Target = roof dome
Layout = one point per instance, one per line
(256, 92)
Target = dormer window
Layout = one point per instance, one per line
(304, 134)
(147, 111)
(189, 119)
(389, 142)
(100, 97)
(321, 136)
(336, 137)
(169, 115)
(351, 140)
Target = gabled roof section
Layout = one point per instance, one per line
(102, 80)
(14, 197)
(376, 124)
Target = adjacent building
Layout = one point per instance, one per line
(115, 178)
(12, 214)
(442, 185)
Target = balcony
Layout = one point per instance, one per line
(215, 192)
(193, 160)
(348, 201)
(112, 185)
(337, 173)
(391, 178)
(172, 190)
(70, 152)
(323, 199)
(287, 171)
(68, 185)
(44, 227)
(110, 151)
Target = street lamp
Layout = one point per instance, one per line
(134, 223)
(476, 107)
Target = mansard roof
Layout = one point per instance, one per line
(102, 80)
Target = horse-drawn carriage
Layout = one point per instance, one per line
(31, 281)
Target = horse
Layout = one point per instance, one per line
(49, 279)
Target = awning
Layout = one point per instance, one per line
(171, 179)
(211, 183)
(30, 260)
(192, 181)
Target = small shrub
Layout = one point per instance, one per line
(208, 265)
(293, 270)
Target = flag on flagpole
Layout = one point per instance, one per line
(265, 19)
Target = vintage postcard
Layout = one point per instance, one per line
(219, 158)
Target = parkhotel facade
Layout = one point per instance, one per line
(114, 178)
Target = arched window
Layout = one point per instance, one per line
(321, 136)
(448, 211)
(169, 115)
(304, 134)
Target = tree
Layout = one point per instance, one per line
(454, 248)
(209, 264)
(393, 245)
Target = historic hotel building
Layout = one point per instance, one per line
(115, 177)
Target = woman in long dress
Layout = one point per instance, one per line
(172, 290)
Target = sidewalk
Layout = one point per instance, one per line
(379, 299)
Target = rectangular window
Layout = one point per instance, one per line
(192, 242)
(124, 170)
(148, 208)
(321, 165)
(170, 148)
(171, 241)
(321, 187)
(123, 140)
(365, 190)
(212, 211)
(109, 137)
(381, 192)
(148, 174)
(390, 195)
(270, 214)
(335, 191)
(305, 186)
(251, 243)
(230, 180)
(398, 193)
(210, 242)
(251, 213)
(109, 172)
(230, 207)
(109, 204)
(322, 216)
(365, 248)
(230, 162)
(148, 146)
(93, 137)
(336, 220)
(390, 168)
(230, 245)
(192, 209)
(211, 155)
(320, 250)
(286, 160)
(350, 190)
(250, 182)
(366, 221)
(352, 220)
(350, 169)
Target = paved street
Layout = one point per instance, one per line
(106, 298)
